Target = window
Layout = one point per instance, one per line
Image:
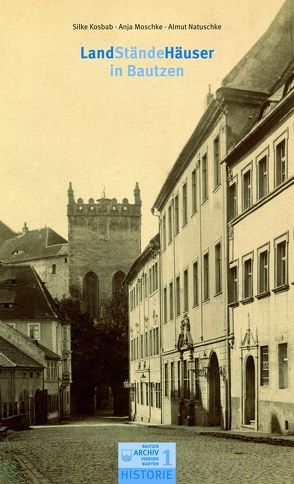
(197, 382)
(146, 344)
(195, 284)
(52, 372)
(150, 343)
(165, 305)
(247, 189)
(151, 394)
(138, 393)
(217, 173)
(142, 393)
(156, 337)
(177, 222)
(172, 378)
(233, 284)
(118, 288)
(157, 395)
(179, 378)
(283, 365)
(171, 300)
(34, 331)
(170, 224)
(166, 380)
(218, 268)
(53, 268)
(145, 285)
(186, 380)
(163, 232)
(281, 265)
(232, 201)
(206, 277)
(156, 276)
(185, 208)
(141, 347)
(150, 281)
(281, 164)
(147, 394)
(186, 289)
(204, 178)
(263, 271)
(178, 301)
(91, 294)
(247, 281)
(262, 181)
(194, 191)
(264, 366)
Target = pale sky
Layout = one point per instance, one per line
(65, 119)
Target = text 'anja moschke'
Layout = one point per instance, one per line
(120, 52)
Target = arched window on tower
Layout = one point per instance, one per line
(91, 294)
(117, 285)
(53, 268)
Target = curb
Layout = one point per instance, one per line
(223, 435)
(254, 439)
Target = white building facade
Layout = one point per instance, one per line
(261, 268)
(144, 336)
(192, 208)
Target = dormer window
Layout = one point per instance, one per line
(266, 108)
(289, 86)
(17, 252)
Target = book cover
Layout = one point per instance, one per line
(124, 134)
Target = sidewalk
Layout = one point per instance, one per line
(246, 435)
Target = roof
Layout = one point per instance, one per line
(24, 294)
(49, 354)
(268, 60)
(148, 252)
(262, 70)
(11, 356)
(224, 95)
(279, 105)
(5, 232)
(33, 244)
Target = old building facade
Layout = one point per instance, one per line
(191, 205)
(104, 238)
(225, 277)
(22, 367)
(144, 335)
(43, 249)
(261, 265)
(27, 306)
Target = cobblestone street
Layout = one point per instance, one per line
(86, 452)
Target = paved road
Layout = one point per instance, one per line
(86, 452)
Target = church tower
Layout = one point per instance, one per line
(104, 239)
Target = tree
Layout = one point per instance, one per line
(99, 353)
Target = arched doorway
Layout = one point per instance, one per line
(91, 294)
(214, 417)
(250, 391)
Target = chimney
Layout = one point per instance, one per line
(208, 97)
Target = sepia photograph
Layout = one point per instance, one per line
(147, 242)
